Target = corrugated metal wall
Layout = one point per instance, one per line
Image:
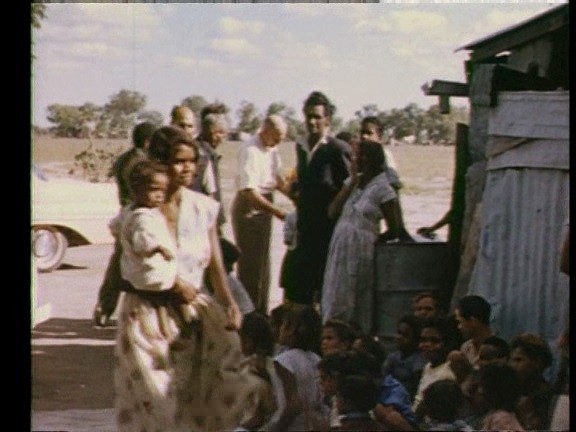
(525, 208)
(517, 267)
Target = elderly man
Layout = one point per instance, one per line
(214, 131)
(259, 175)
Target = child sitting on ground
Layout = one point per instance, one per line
(406, 363)
(440, 407)
(356, 395)
(500, 391)
(297, 368)
(258, 348)
(337, 336)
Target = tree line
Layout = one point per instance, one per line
(117, 117)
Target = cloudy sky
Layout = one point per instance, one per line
(357, 54)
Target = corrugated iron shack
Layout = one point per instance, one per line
(517, 177)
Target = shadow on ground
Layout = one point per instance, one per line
(72, 365)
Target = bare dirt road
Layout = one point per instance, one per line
(72, 381)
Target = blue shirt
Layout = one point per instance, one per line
(393, 393)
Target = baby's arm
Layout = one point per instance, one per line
(162, 251)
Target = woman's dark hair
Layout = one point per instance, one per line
(374, 154)
(142, 174)
(319, 98)
(165, 140)
(141, 133)
(256, 327)
(442, 400)
(500, 386)
(534, 347)
(306, 325)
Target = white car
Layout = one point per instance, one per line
(68, 212)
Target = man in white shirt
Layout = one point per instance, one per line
(259, 175)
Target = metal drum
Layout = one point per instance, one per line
(404, 270)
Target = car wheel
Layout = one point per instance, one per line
(49, 247)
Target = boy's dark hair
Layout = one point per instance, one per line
(500, 386)
(319, 98)
(502, 349)
(230, 253)
(213, 108)
(344, 136)
(534, 347)
(341, 363)
(143, 172)
(343, 330)
(442, 400)
(306, 323)
(374, 121)
(413, 322)
(475, 306)
(369, 364)
(141, 133)
(359, 392)
(256, 327)
(447, 331)
(428, 294)
(373, 347)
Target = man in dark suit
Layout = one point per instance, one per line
(322, 166)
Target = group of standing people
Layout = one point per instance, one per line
(177, 338)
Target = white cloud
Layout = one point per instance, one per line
(303, 55)
(235, 47)
(378, 24)
(190, 63)
(233, 26)
(96, 50)
(420, 22)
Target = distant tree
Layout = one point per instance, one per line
(121, 112)
(89, 116)
(154, 117)
(352, 126)
(38, 14)
(248, 119)
(67, 120)
(367, 111)
(195, 103)
(404, 122)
